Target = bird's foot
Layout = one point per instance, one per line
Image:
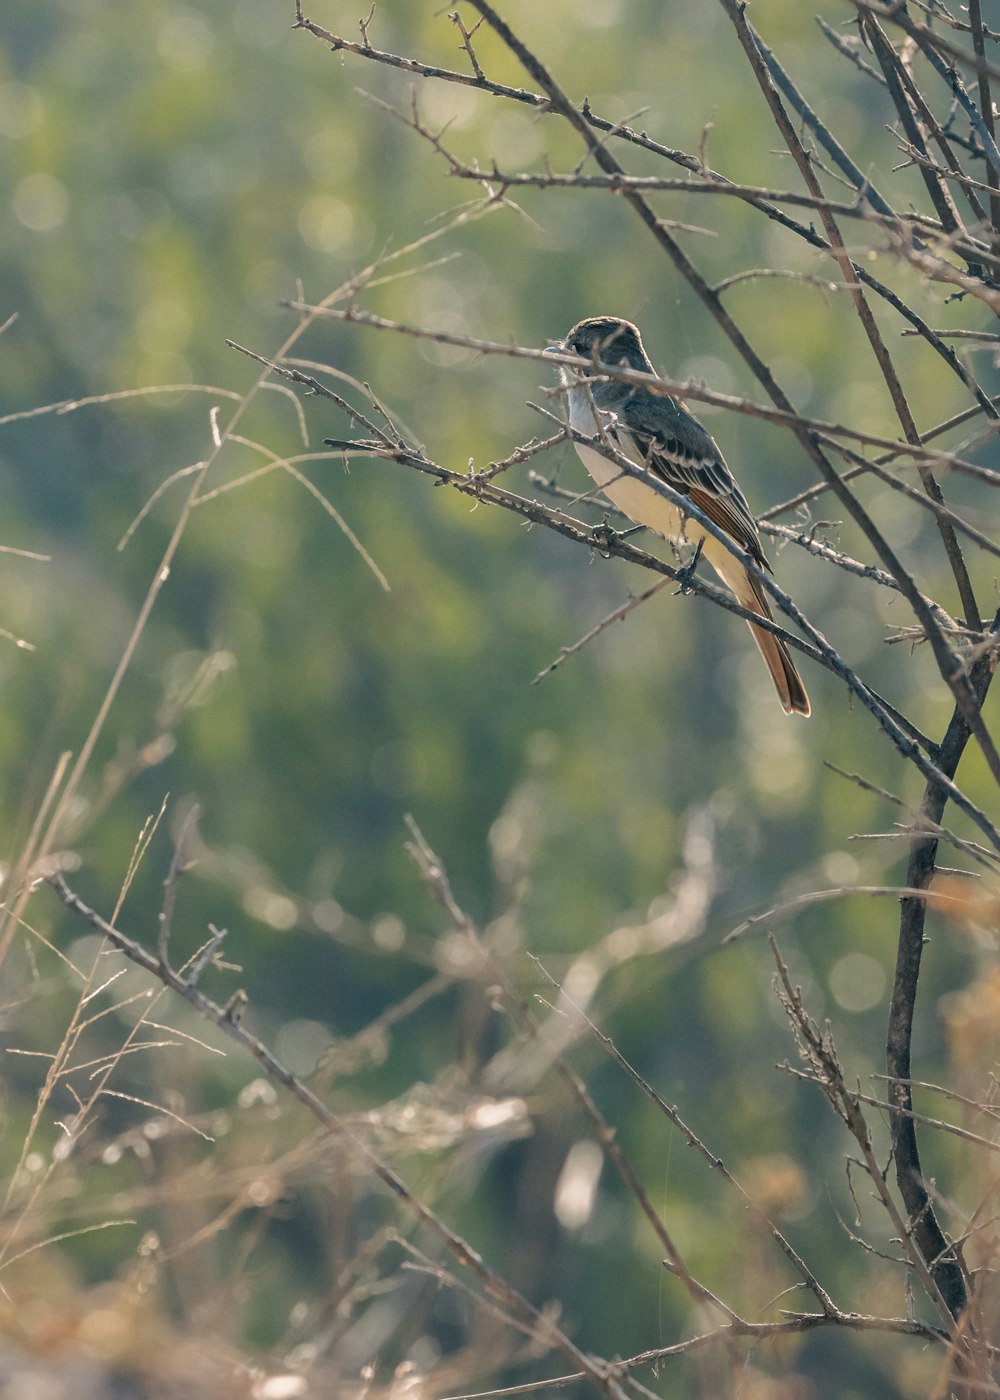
(685, 575)
(605, 536)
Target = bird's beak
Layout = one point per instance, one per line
(555, 347)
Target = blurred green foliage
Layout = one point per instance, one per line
(172, 173)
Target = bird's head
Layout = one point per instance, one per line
(614, 341)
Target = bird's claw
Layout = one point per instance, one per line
(685, 575)
(604, 537)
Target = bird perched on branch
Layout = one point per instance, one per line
(657, 434)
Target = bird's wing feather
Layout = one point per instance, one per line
(725, 512)
(694, 467)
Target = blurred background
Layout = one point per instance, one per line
(172, 173)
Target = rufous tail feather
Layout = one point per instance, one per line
(777, 657)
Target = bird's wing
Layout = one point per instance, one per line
(683, 455)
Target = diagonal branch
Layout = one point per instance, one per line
(895, 12)
(986, 108)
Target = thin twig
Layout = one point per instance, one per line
(616, 616)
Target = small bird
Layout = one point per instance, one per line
(658, 434)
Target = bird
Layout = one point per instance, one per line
(657, 433)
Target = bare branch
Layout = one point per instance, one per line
(985, 113)
(618, 615)
(896, 14)
(820, 1053)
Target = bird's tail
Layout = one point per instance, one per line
(777, 657)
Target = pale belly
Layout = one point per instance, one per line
(646, 506)
(639, 501)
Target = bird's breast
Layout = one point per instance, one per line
(639, 501)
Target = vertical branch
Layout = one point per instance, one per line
(985, 108)
(934, 1246)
